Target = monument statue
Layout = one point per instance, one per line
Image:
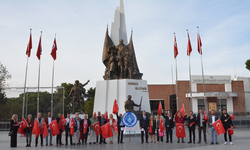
(76, 93)
(129, 104)
(120, 60)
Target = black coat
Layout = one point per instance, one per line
(198, 121)
(81, 124)
(229, 122)
(119, 119)
(168, 122)
(144, 123)
(210, 120)
(191, 121)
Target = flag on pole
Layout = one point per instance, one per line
(115, 127)
(62, 123)
(175, 47)
(180, 130)
(218, 126)
(159, 108)
(72, 125)
(29, 46)
(205, 117)
(183, 111)
(106, 131)
(39, 49)
(45, 130)
(106, 115)
(161, 126)
(189, 47)
(54, 128)
(54, 48)
(36, 129)
(176, 114)
(199, 44)
(22, 126)
(96, 128)
(115, 107)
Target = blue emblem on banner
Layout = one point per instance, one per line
(129, 119)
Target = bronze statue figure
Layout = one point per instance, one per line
(120, 60)
(76, 93)
(129, 104)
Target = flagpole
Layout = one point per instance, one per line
(25, 80)
(189, 73)
(39, 79)
(52, 89)
(205, 98)
(176, 82)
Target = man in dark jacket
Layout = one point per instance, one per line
(102, 122)
(227, 123)
(169, 125)
(99, 119)
(144, 126)
(67, 130)
(59, 136)
(120, 125)
(212, 119)
(85, 123)
(201, 126)
(191, 126)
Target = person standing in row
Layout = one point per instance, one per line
(14, 128)
(111, 120)
(179, 119)
(99, 119)
(85, 123)
(102, 122)
(92, 134)
(67, 130)
(29, 128)
(77, 129)
(191, 126)
(144, 126)
(152, 128)
(120, 126)
(59, 136)
(227, 123)
(169, 126)
(48, 120)
(211, 119)
(158, 120)
(201, 126)
(40, 121)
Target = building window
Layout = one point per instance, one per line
(201, 104)
(154, 106)
(222, 104)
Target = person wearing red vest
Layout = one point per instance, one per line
(179, 119)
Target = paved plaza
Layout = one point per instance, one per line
(241, 140)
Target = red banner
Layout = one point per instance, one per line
(54, 128)
(115, 127)
(106, 131)
(219, 127)
(115, 107)
(22, 126)
(62, 123)
(159, 108)
(72, 125)
(180, 130)
(45, 130)
(161, 126)
(96, 128)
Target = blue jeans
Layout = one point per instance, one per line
(50, 137)
(213, 134)
(28, 137)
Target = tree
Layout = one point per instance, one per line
(248, 64)
(4, 75)
(89, 104)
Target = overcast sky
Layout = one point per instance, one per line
(80, 27)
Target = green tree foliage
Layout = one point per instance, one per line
(248, 64)
(89, 105)
(4, 75)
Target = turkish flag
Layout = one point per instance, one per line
(22, 126)
(175, 47)
(115, 107)
(232, 116)
(95, 115)
(189, 47)
(192, 123)
(150, 131)
(161, 126)
(62, 123)
(219, 127)
(29, 46)
(115, 127)
(180, 130)
(205, 117)
(72, 125)
(36, 129)
(159, 108)
(199, 44)
(54, 128)
(106, 131)
(106, 115)
(183, 111)
(96, 128)
(85, 126)
(176, 114)
(230, 131)
(45, 130)
(54, 48)
(39, 49)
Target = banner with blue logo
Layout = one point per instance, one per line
(129, 119)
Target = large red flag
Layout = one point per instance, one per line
(232, 116)
(54, 48)
(115, 127)
(150, 131)
(54, 128)
(85, 126)
(72, 125)
(106, 131)
(62, 123)
(175, 47)
(106, 115)
(180, 130)
(182, 111)
(36, 129)
(189, 47)
(159, 108)
(219, 127)
(205, 117)
(199, 44)
(39, 49)
(161, 126)
(96, 128)
(29, 46)
(115, 107)
(22, 126)
(45, 130)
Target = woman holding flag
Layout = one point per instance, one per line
(158, 120)
(227, 123)
(13, 130)
(111, 120)
(29, 130)
(152, 128)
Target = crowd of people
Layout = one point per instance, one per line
(149, 126)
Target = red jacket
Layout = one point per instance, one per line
(179, 120)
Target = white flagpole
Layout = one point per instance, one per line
(52, 88)
(39, 78)
(25, 81)
(205, 98)
(176, 82)
(189, 72)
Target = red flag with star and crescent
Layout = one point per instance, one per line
(54, 49)
(106, 131)
(180, 130)
(45, 130)
(96, 128)
(115, 107)
(62, 123)
(161, 126)
(22, 126)
(54, 128)
(72, 125)
(218, 126)
(115, 127)
(36, 128)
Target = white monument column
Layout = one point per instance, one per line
(228, 88)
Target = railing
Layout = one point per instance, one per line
(4, 126)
